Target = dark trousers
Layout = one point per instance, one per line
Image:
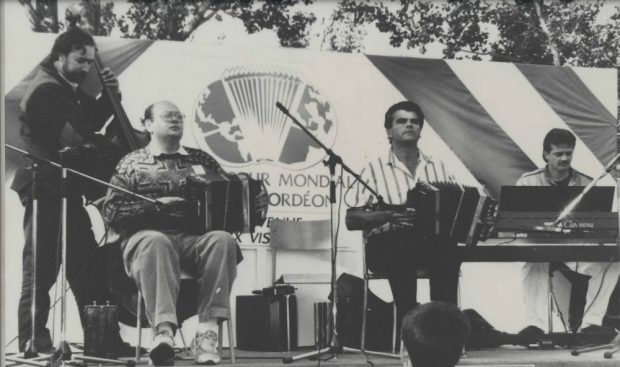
(85, 264)
(399, 254)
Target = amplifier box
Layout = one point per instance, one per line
(267, 323)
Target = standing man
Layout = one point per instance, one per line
(157, 241)
(393, 248)
(56, 113)
(558, 147)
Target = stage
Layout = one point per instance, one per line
(504, 356)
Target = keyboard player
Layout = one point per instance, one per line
(558, 147)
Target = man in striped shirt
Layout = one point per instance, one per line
(393, 247)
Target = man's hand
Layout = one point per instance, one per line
(406, 218)
(109, 79)
(172, 205)
(358, 218)
(165, 200)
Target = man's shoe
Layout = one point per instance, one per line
(124, 349)
(162, 349)
(530, 335)
(595, 334)
(43, 343)
(204, 347)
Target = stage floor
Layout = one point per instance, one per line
(504, 356)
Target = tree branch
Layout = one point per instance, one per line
(545, 29)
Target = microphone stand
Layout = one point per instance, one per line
(31, 356)
(614, 163)
(63, 353)
(334, 349)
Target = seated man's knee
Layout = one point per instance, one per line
(219, 241)
(149, 241)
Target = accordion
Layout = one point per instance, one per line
(224, 202)
(465, 214)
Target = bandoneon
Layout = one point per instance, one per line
(463, 213)
(224, 202)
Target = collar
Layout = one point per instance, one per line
(392, 160)
(155, 149)
(48, 66)
(571, 174)
(71, 84)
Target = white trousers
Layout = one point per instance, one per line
(603, 279)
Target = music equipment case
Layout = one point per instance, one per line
(267, 323)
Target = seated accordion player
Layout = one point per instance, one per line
(224, 202)
(463, 213)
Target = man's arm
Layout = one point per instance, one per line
(121, 209)
(360, 218)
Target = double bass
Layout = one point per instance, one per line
(126, 139)
(120, 138)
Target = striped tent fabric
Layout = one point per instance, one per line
(491, 113)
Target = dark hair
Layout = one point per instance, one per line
(558, 137)
(434, 334)
(148, 113)
(405, 106)
(71, 40)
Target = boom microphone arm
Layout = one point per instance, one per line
(91, 178)
(333, 157)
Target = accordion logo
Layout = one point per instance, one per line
(237, 121)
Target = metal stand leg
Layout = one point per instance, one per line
(63, 352)
(187, 352)
(31, 347)
(550, 304)
(139, 325)
(231, 344)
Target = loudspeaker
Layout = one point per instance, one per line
(267, 323)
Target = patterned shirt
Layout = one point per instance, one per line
(392, 180)
(155, 175)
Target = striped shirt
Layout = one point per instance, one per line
(392, 180)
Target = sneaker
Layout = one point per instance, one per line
(204, 347)
(162, 349)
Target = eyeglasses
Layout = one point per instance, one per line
(170, 116)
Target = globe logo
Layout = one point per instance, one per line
(237, 121)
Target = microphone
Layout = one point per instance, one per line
(281, 107)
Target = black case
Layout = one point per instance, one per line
(267, 323)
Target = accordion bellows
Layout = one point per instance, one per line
(463, 213)
(223, 202)
(253, 93)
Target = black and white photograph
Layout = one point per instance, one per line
(415, 183)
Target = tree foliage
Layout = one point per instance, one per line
(43, 14)
(177, 19)
(561, 32)
(92, 15)
(499, 30)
